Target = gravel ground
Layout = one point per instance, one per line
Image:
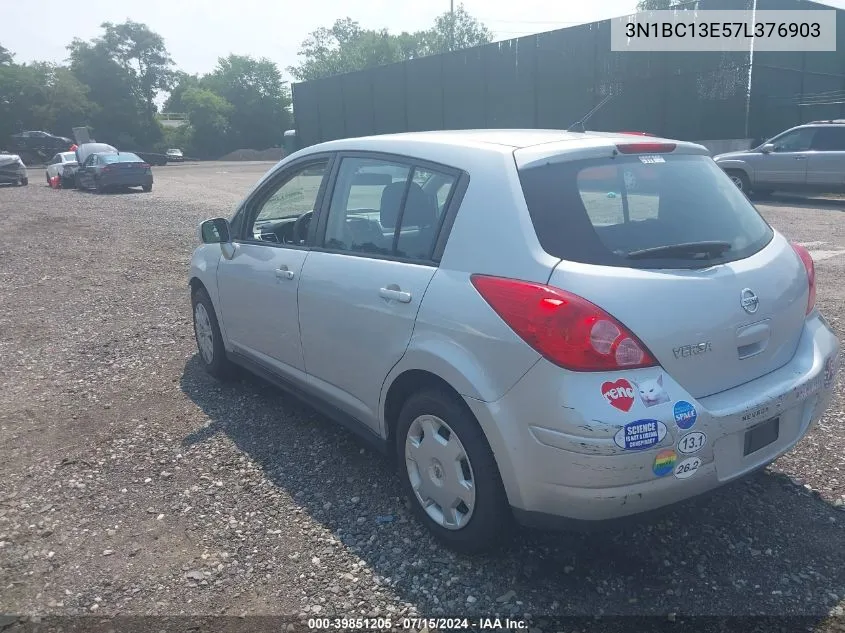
(132, 483)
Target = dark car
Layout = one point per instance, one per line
(85, 150)
(35, 146)
(103, 171)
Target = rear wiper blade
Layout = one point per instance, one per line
(694, 250)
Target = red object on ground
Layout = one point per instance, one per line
(56, 182)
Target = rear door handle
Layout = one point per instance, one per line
(395, 295)
(283, 273)
(800, 158)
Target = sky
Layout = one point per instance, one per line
(197, 32)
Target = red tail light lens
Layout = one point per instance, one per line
(565, 328)
(144, 166)
(646, 148)
(807, 260)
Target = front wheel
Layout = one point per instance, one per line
(24, 182)
(212, 352)
(449, 473)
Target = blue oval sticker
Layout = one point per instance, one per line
(685, 414)
(640, 435)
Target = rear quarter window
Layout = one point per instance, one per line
(607, 211)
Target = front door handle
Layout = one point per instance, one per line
(395, 294)
(283, 273)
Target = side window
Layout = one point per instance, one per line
(829, 139)
(616, 195)
(796, 141)
(276, 212)
(385, 208)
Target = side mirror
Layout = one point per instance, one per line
(215, 231)
(767, 148)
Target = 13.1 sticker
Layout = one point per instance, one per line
(692, 442)
(687, 468)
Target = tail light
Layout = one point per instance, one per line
(565, 328)
(646, 148)
(807, 260)
(144, 165)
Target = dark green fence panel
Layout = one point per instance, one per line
(509, 77)
(551, 80)
(307, 115)
(389, 111)
(565, 76)
(358, 103)
(330, 106)
(789, 88)
(464, 90)
(424, 93)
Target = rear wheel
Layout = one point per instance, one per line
(24, 182)
(449, 472)
(147, 188)
(740, 180)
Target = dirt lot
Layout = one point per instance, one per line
(132, 483)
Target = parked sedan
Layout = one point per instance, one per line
(62, 165)
(103, 171)
(12, 170)
(525, 345)
(175, 155)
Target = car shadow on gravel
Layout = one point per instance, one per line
(760, 546)
(801, 202)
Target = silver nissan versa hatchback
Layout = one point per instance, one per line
(550, 326)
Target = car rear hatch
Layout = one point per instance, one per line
(656, 235)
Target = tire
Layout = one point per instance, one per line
(489, 517)
(147, 188)
(47, 176)
(218, 364)
(98, 188)
(740, 180)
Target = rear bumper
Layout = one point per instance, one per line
(126, 180)
(555, 437)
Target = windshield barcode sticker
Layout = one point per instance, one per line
(649, 160)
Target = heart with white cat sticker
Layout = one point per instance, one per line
(619, 394)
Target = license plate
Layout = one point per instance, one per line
(761, 435)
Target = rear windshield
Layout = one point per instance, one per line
(661, 211)
(120, 158)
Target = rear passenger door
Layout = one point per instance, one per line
(826, 163)
(363, 282)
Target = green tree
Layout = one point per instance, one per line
(346, 47)
(208, 114)
(41, 96)
(455, 31)
(260, 100)
(182, 82)
(659, 5)
(125, 69)
(6, 57)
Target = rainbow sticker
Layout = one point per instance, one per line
(664, 462)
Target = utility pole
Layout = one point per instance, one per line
(451, 25)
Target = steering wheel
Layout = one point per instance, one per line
(300, 227)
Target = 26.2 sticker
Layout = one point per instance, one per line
(692, 442)
(687, 468)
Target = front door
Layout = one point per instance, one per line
(362, 285)
(786, 166)
(258, 284)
